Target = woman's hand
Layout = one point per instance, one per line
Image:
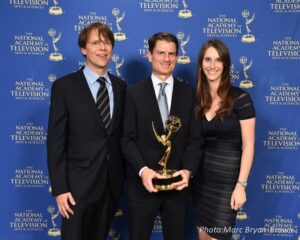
(238, 197)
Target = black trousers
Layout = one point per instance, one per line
(173, 217)
(90, 221)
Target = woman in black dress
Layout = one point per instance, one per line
(228, 123)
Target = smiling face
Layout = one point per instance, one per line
(163, 59)
(212, 65)
(98, 51)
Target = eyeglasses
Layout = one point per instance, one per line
(164, 54)
(97, 43)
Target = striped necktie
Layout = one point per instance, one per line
(102, 102)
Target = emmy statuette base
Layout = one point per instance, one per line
(183, 59)
(246, 84)
(241, 215)
(55, 57)
(53, 232)
(55, 11)
(120, 36)
(185, 13)
(165, 183)
(249, 38)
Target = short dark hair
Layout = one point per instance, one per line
(162, 36)
(103, 29)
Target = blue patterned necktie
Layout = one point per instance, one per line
(102, 102)
(162, 103)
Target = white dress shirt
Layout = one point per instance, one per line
(168, 88)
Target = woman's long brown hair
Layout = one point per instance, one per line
(224, 91)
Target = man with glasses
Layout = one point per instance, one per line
(84, 158)
(143, 151)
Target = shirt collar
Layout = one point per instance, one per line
(156, 80)
(92, 77)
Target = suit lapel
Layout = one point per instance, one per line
(117, 99)
(176, 98)
(151, 97)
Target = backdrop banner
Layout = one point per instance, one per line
(39, 44)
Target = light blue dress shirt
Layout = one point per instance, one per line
(91, 78)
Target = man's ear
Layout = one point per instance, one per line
(149, 55)
(83, 51)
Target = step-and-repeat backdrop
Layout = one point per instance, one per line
(38, 42)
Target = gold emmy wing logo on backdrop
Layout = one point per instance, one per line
(246, 83)
(241, 215)
(248, 38)
(119, 36)
(115, 58)
(183, 59)
(55, 10)
(56, 56)
(185, 12)
(173, 124)
(54, 231)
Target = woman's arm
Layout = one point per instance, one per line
(238, 197)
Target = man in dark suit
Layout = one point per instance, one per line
(143, 151)
(84, 157)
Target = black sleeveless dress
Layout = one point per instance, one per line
(219, 169)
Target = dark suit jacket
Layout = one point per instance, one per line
(139, 144)
(82, 154)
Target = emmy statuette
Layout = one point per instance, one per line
(165, 183)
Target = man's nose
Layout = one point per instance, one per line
(166, 57)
